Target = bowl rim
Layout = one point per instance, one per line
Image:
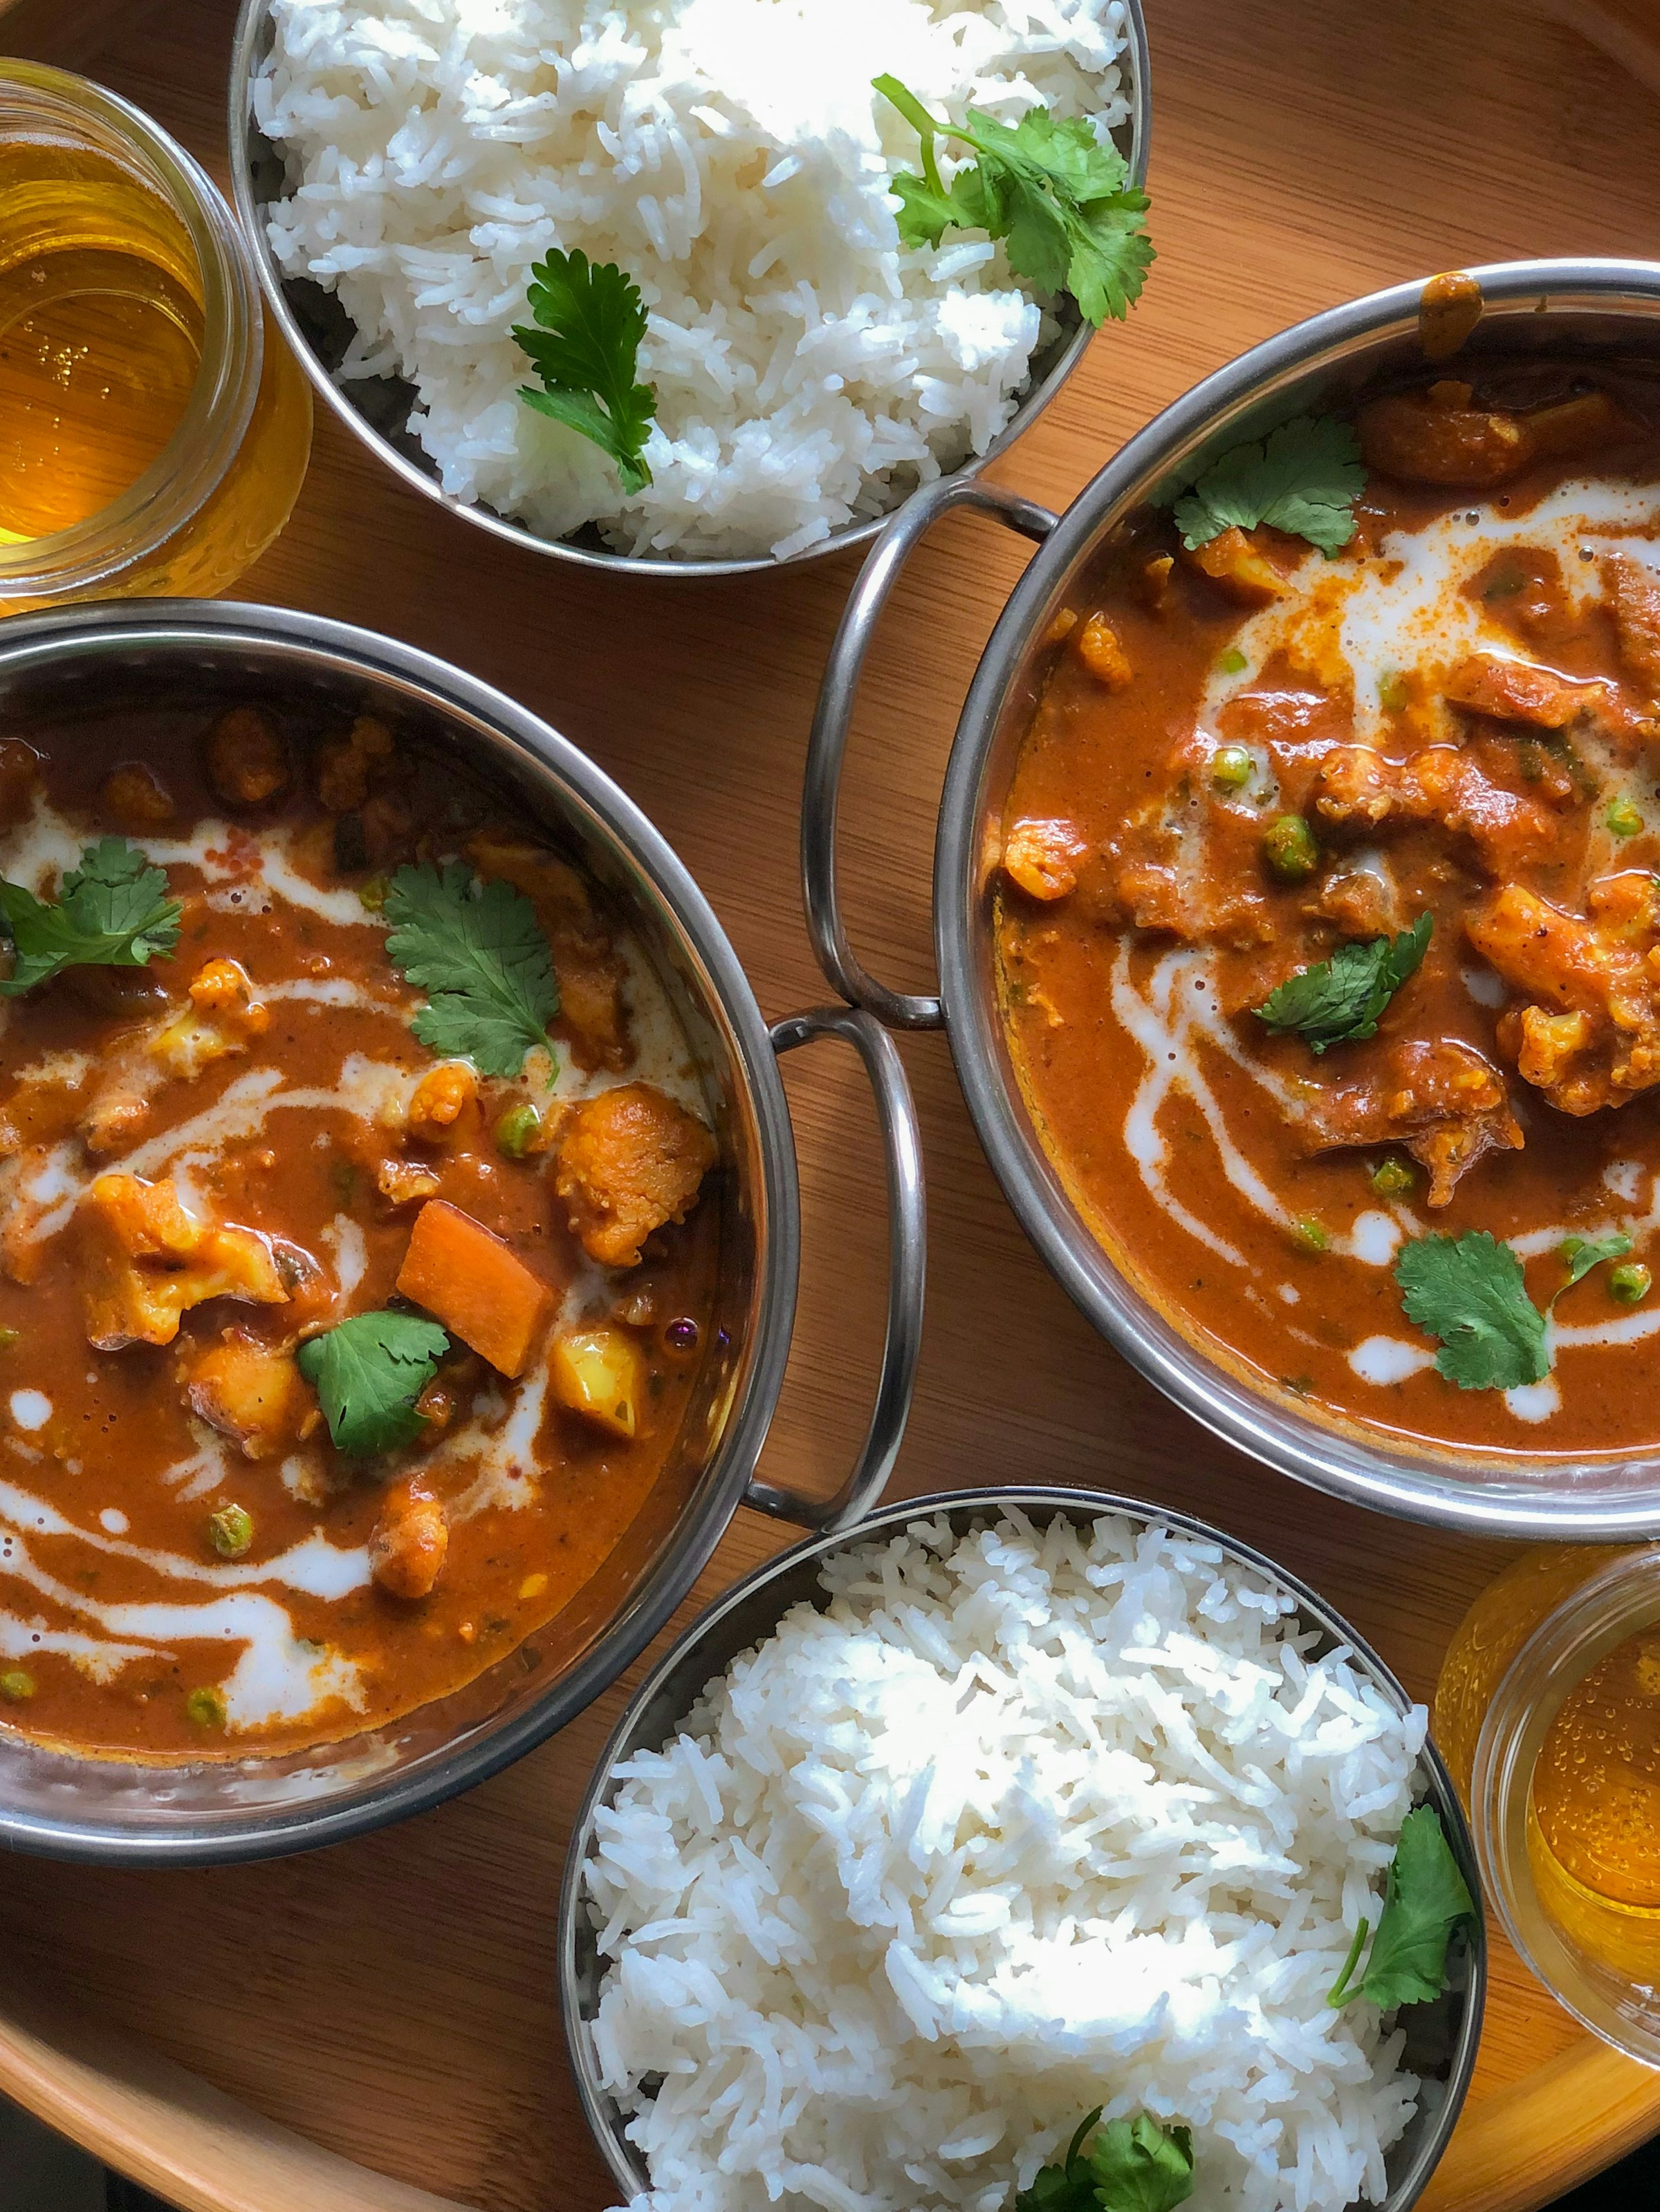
(1135, 61)
(585, 795)
(604, 2119)
(1346, 1462)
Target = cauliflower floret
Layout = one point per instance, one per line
(222, 1017)
(631, 1160)
(149, 1261)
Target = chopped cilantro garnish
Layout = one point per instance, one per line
(1425, 1899)
(369, 1373)
(590, 319)
(112, 911)
(1060, 201)
(1303, 478)
(1339, 999)
(1132, 2165)
(1579, 1254)
(479, 952)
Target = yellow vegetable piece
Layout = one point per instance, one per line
(597, 1373)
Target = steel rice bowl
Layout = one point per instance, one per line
(377, 409)
(1600, 309)
(1441, 2044)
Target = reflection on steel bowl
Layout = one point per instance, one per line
(809, 371)
(1294, 832)
(400, 1227)
(971, 1763)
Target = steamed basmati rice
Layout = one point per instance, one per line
(1019, 1825)
(732, 156)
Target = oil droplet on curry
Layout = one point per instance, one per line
(1252, 757)
(333, 1363)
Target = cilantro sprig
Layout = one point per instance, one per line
(1303, 478)
(1062, 204)
(1132, 2165)
(1469, 1291)
(1425, 1899)
(479, 952)
(369, 1373)
(1338, 1000)
(586, 348)
(112, 911)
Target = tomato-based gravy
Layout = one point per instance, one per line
(357, 1240)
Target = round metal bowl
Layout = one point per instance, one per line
(378, 409)
(1600, 310)
(84, 665)
(1441, 2037)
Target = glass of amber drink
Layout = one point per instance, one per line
(153, 431)
(1548, 1711)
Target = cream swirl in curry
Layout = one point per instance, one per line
(347, 1322)
(1328, 929)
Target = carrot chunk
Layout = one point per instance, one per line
(472, 1281)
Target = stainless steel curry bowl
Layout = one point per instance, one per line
(84, 664)
(377, 410)
(1598, 309)
(1441, 2037)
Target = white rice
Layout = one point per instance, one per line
(731, 156)
(1018, 1826)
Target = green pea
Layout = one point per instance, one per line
(230, 1531)
(1310, 1235)
(206, 1708)
(1622, 818)
(517, 1131)
(1231, 768)
(9, 1337)
(1630, 1283)
(1392, 691)
(1231, 661)
(1289, 849)
(1393, 1178)
(372, 893)
(16, 1684)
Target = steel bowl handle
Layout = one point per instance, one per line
(901, 1152)
(827, 749)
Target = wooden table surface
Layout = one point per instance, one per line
(375, 2025)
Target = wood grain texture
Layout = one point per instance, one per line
(390, 2003)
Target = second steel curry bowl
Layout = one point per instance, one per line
(1599, 310)
(85, 663)
(1442, 2037)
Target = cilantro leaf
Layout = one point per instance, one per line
(591, 319)
(1062, 202)
(1139, 2166)
(478, 953)
(1468, 1290)
(1339, 999)
(369, 1373)
(1068, 2187)
(1579, 1254)
(112, 911)
(1132, 2166)
(1426, 1899)
(1303, 478)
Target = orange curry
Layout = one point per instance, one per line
(331, 1366)
(1248, 755)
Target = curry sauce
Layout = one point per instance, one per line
(211, 1161)
(1248, 755)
